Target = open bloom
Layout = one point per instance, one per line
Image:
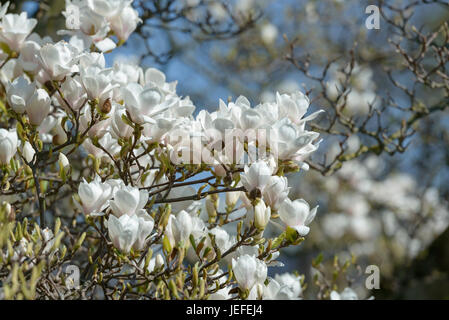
(98, 83)
(142, 103)
(276, 192)
(74, 94)
(297, 215)
(128, 200)
(123, 231)
(146, 224)
(249, 271)
(14, 28)
(256, 176)
(291, 142)
(58, 60)
(94, 196)
(8, 145)
(19, 93)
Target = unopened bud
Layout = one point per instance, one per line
(159, 261)
(262, 215)
(63, 161)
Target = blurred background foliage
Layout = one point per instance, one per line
(383, 198)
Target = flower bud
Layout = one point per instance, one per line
(212, 206)
(63, 161)
(28, 152)
(262, 215)
(38, 106)
(8, 145)
(232, 198)
(159, 261)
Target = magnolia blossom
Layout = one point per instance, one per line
(8, 145)
(142, 103)
(276, 192)
(63, 161)
(146, 224)
(290, 285)
(107, 8)
(256, 176)
(249, 271)
(58, 60)
(97, 83)
(262, 215)
(232, 198)
(94, 196)
(297, 215)
(24, 97)
(14, 28)
(28, 152)
(179, 228)
(74, 93)
(38, 106)
(123, 231)
(128, 200)
(125, 23)
(19, 93)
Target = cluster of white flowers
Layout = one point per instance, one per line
(133, 123)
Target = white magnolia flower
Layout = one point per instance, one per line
(94, 196)
(63, 161)
(74, 94)
(19, 93)
(146, 224)
(290, 142)
(257, 176)
(98, 83)
(249, 271)
(107, 8)
(156, 78)
(142, 103)
(125, 23)
(38, 107)
(262, 215)
(232, 198)
(222, 239)
(123, 231)
(297, 215)
(24, 97)
(28, 53)
(28, 151)
(119, 127)
(128, 200)
(179, 228)
(276, 192)
(58, 60)
(290, 285)
(8, 145)
(14, 28)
